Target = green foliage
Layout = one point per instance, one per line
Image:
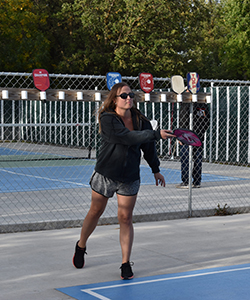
(131, 36)
(236, 56)
(23, 46)
(163, 37)
(206, 59)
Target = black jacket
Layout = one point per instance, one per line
(120, 153)
(201, 118)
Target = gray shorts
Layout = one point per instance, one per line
(107, 187)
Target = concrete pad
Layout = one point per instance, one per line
(34, 264)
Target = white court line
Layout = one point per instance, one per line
(45, 178)
(90, 291)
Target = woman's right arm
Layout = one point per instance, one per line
(114, 131)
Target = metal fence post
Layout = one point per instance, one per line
(211, 124)
(190, 165)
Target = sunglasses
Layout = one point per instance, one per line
(125, 95)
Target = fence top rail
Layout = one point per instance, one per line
(76, 76)
(91, 95)
(212, 81)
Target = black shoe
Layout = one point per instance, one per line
(78, 259)
(126, 270)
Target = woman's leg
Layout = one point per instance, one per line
(125, 217)
(97, 207)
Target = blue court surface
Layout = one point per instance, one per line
(58, 177)
(62, 177)
(14, 152)
(225, 283)
(52, 176)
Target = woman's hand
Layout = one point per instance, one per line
(159, 179)
(166, 134)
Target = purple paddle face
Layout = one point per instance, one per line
(187, 137)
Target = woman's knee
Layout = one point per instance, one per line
(95, 212)
(124, 218)
(98, 205)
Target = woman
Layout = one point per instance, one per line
(124, 132)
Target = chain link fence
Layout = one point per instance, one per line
(48, 152)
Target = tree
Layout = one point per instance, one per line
(236, 50)
(205, 58)
(58, 35)
(93, 27)
(23, 46)
(131, 36)
(163, 37)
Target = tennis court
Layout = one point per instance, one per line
(51, 173)
(44, 184)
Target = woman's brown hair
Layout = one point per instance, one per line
(109, 104)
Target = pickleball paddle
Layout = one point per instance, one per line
(187, 137)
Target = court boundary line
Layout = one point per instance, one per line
(98, 296)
